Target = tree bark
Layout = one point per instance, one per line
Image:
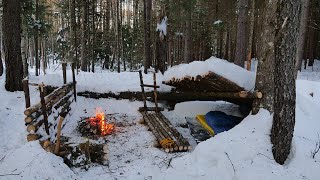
(285, 89)
(84, 32)
(188, 35)
(36, 40)
(12, 44)
(265, 72)
(302, 33)
(147, 35)
(1, 65)
(242, 44)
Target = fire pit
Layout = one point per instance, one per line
(95, 127)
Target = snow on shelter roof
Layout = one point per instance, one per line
(229, 71)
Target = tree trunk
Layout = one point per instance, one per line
(242, 44)
(250, 39)
(84, 30)
(36, 40)
(285, 89)
(1, 65)
(188, 35)
(23, 55)
(73, 32)
(161, 48)
(302, 33)
(12, 44)
(311, 44)
(147, 35)
(265, 74)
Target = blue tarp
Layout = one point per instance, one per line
(220, 121)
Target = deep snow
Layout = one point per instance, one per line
(246, 148)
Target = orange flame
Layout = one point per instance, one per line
(99, 120)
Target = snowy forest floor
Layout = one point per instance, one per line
(241, 153)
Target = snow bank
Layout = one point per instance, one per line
(32, 162)
(234, 73)
(249, 148)
(103, 82)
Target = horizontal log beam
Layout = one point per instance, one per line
(148, 85)
(50, 99)
(176, 97)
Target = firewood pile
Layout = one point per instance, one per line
(42, 118)
(167, 136)
(211, 82)
(79, 155)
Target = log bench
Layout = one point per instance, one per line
(167, 136)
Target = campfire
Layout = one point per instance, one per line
(96, 126)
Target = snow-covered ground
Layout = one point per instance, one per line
(244, 152)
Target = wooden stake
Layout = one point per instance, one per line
(25, 84)
(74, 82)
(142, 90)
(155, 91)
(56, 149)
(64, 71)
(43, 108)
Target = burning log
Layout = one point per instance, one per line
(96, 126)
(50, 99)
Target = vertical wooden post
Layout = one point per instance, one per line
(74, 81)
(25, 84)
(155, 91)
(64, 71)
(57, 147)
(43, 108)
(142, 89)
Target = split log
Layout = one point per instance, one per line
(34, 126)
(32, 137)
(56, 150)
(50, 99)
